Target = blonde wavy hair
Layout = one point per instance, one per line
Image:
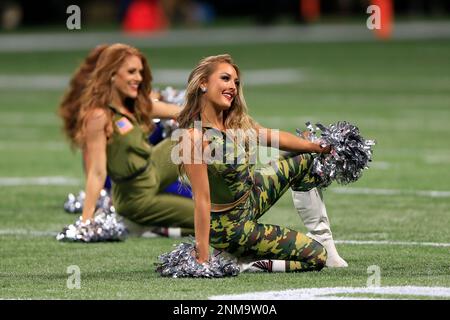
(236, 117)
(98, 91)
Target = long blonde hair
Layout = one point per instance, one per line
(236, 117)
(98, 92)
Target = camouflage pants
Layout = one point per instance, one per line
(238, 232)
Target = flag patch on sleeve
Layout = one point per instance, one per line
(124, 125)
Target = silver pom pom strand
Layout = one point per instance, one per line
(103, 227)
(177, 97)
(172, 95)
(182, 263)
(74, 204)
(349, 156)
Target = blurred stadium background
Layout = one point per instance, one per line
(302, 60)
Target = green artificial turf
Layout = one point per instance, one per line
(396, 92)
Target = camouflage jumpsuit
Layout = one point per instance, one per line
(237, 230)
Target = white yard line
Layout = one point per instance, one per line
(25, 232)
(34, 81)
(298, 117)
(393, 243)
(25, 119)
(64, 41)
(174, 77)
(380, 165)
(34, 145)
(39, 181)
(333, 293)
(68, 181)
(437, 158)
(391, 192)
(45, 233)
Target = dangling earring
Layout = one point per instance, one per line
(112, 79)
(203, 89)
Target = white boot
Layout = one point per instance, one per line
(312, 211)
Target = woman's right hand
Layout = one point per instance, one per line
(202, 254)
(85, 218)
(197, 173)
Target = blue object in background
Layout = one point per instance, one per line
(108, 184)
(157, 134)
(180, 189)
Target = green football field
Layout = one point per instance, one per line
(398, 213)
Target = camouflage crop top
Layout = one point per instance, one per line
(230, 177)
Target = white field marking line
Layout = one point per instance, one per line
(436, 159)
(34, 145)
(67, 181)
(41, 233)
(377, 123)
(162, 76)
(25, 232)
(63, 41)
(380, 165)
(39, 181)
(391, 192)
(27, 118)
(393, 243)
(330, 293)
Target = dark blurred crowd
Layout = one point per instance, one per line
(186, 13)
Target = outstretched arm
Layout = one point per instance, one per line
(289, 142)
(165, 110)
(95, 152)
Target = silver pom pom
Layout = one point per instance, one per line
(181, 263)
(103, 227)
(170, 95)
(349, 156)
(74, 204)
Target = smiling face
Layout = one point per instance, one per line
(128, 78)
(222, 86)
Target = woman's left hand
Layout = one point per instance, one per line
(325, 149)
(155, 95)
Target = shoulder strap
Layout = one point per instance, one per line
(114, 109)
